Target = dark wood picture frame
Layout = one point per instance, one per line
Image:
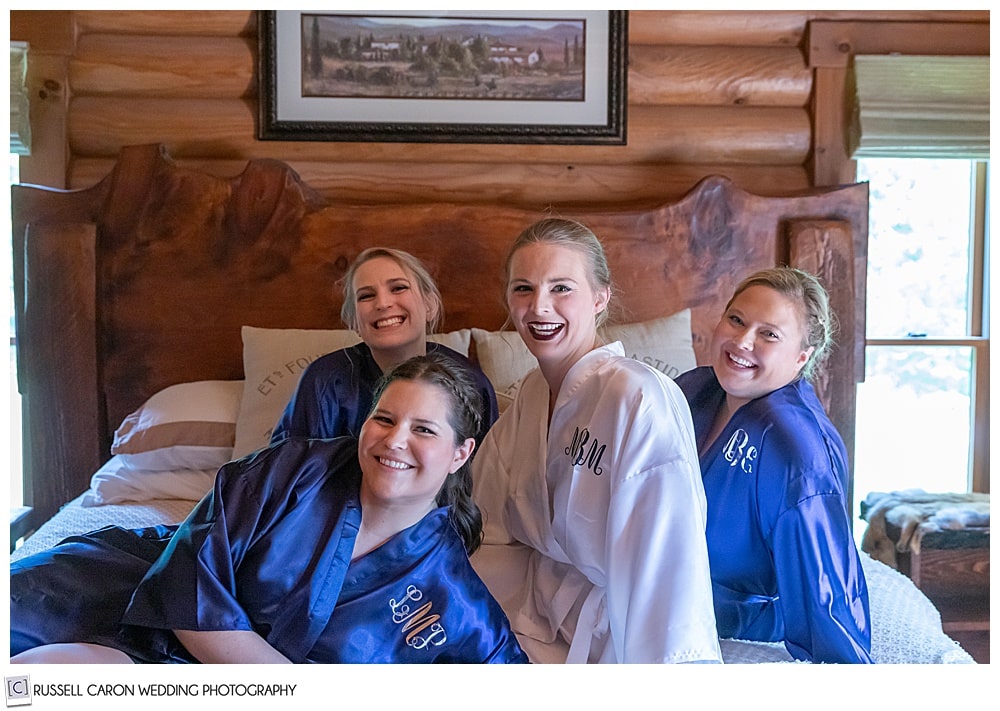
(598, 116)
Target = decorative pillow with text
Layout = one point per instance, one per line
(273, 362)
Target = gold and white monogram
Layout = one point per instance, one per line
(418, 619)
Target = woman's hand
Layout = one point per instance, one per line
(230, 647)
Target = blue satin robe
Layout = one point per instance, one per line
(335, 394)
(783, 560)
(269, 550)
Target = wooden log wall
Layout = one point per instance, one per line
(709, 92)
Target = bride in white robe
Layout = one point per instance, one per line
(589, 484)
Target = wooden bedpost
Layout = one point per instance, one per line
(61, 393)
(825, 248)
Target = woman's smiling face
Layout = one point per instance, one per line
(757, 346)
(392, 313)
(552, 302)
(407, 445)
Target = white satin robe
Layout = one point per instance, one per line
(609, 501)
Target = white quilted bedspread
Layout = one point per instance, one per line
(74, 518)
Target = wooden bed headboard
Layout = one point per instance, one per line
(145, 280)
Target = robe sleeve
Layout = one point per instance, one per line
(491, 485)
(659, 593)
(303, 416)
(193, 584)
(821, 587)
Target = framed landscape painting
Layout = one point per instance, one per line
(430, 76)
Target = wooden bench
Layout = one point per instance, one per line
(952, 568)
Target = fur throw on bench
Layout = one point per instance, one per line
(915, 513)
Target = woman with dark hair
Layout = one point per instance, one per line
(784, 563)
(393, 304)
(343, 550)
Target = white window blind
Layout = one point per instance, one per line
(911, 106)
(20, 126)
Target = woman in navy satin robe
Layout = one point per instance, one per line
(783, 560)
(393, 304)
(341, 550)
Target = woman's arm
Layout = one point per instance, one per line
(302, 415)
(230, 647)
(821, 586)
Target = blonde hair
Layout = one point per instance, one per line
(408, 263)
(819, 320)
(574, 235)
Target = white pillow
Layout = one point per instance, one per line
(505, 360)
(273, 362)
(459, 341)
(663, 343)
(184, 426)
(116, 482)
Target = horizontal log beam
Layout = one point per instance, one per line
(757, 28)
(226, 129)
(201, 23)
(695, 27)
(163, 67)
(190, 67)
(718, 76)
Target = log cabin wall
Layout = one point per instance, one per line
(708, 92)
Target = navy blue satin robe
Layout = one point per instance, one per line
(269, 550)
(335, 393)
(783, 560)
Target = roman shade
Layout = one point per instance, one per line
(912, 106)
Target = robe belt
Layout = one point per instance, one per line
(593, 621)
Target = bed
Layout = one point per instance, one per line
(164, 314)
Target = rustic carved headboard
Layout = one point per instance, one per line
(145, 280)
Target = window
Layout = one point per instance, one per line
(922, 410)
(16, 480)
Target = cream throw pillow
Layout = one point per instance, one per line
(273, 362)
(505, 360)
(663, 343)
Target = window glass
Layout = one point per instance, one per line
(14, 398)
(914, 424)
(915, 408)
(918, 246)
